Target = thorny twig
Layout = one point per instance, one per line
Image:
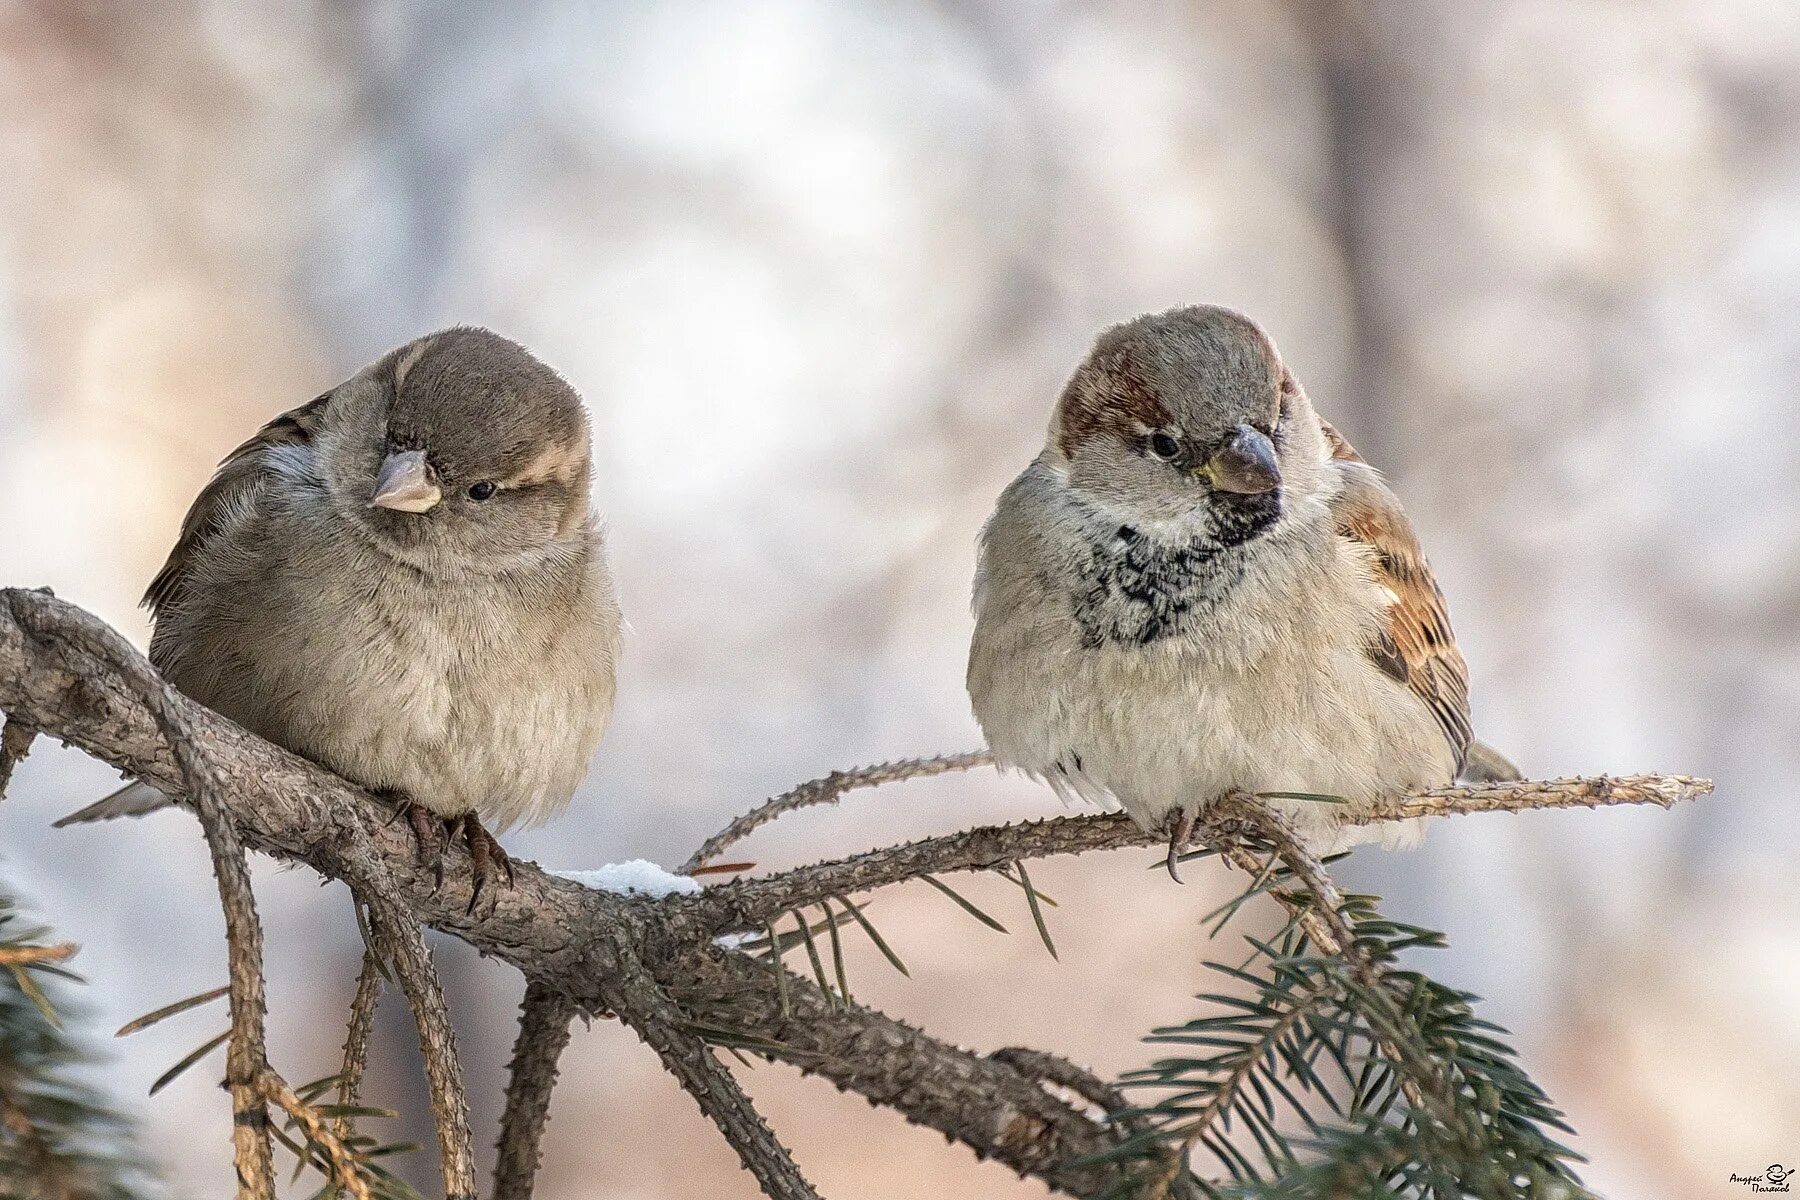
(826, 790)
(397, 933)
(653, 961)
(246, 1057)
(641, 1002)
(544, 1026)
(746, 903)
(357, 1034)
(345, 1171)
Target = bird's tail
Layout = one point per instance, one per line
(132, 800)
(1485, 764)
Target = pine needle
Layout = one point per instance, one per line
(775, 965)
(887, 951)
(193, 1056)
(35, 994)
(170, 1010)
(966, 905)
(1037, 914)
(837, 952)
(812, 957)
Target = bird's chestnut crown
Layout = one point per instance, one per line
(1176, 414)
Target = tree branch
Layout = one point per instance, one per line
(544, 1027)
(641, 1002)
(357, 1034)
(410, 958)
(551, 928)
(746, 903)
(246, 1055)
(997, 1108)
(604, 950)
(827, 791)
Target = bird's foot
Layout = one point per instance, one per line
(485, 855)
(1181, 831)
(428, 831)
(434, 835)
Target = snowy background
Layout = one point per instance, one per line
(819, 269)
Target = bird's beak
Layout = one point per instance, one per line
(1245, 465)
(404, 484)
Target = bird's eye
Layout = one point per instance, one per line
(1164, 446)
(482, 490)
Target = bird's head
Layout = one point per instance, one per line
(1189, 417)
(461, 450)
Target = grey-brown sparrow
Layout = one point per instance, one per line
(404, 581)
(1199, 588)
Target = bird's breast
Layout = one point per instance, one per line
(1128, 589)
(461, 698)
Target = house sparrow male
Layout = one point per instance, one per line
(404, 581)
(1199, 588)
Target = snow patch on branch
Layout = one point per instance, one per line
(635, 877)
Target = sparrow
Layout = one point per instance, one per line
(405, 582)
(1199, 588)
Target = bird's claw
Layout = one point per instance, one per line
(1181, 830)
(435, 833)
(484, 855)
(428, 831)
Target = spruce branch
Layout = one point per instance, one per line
(59, 1139)
(403, 945)
(545, 1019)
(657, 963)
(1428, 1100)
(246, 1055)
(827, 790)
(641, 1002)
(358, 1032)
(1321, 915)
(747, 903)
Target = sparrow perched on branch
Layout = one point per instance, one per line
(1199, 588)
(405, 582)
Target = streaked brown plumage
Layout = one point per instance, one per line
(1199, 587)
(1416, 646)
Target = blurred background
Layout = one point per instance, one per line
(819, 269)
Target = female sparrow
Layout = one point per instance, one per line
(1199, 588)
(404, 582)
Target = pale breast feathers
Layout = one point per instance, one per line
(1415, 645)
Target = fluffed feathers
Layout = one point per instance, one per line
(456, 645)
(1199, 587)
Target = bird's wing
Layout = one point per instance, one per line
(1415, 645)
(236, 477)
